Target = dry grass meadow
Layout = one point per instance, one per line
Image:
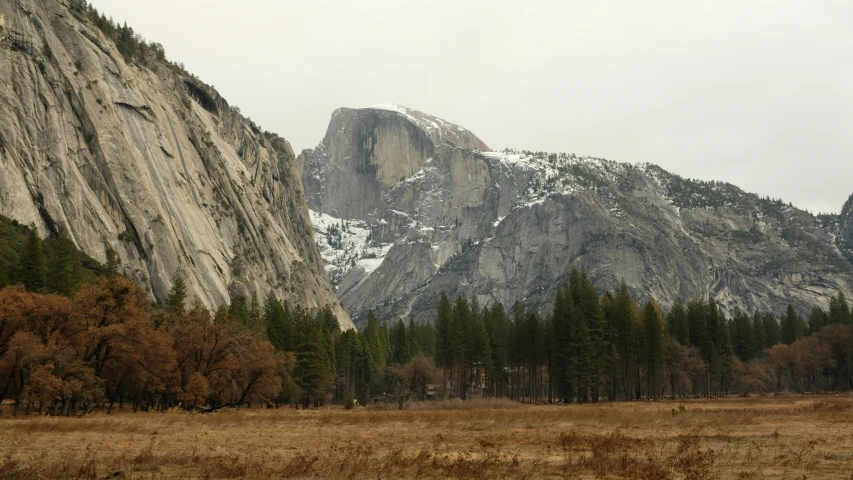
(793, 437)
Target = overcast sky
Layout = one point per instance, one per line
(755, 92)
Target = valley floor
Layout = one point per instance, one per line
(792, 437)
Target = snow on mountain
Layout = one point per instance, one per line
(421, 207)
(345, 245)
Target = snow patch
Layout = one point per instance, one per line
(345, 245)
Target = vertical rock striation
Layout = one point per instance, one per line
(148, 161)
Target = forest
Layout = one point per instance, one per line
(75, 335)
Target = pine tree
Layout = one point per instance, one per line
(697, 321)
(562, 323)
(277, 323)
(425, 334)
(817, 319)
(676, 323)
(414, 337)
(31, 269)
(771, 330)
(254, 321)
(176, 300)
(839, 310)
(791, 329)
(400, 353)
(759, 335)
(496, 326)
(516, 351)
(64, 268)
(112, 265)
(727, 356)
(590, 312)
(443, 320)
(327, 320)
(374, 343)
(612, 380)
(460, 328)
(312, 371)
(655, 342)
(237, 311)
(349, 354)
(624, 331)
(534, 352)
(480, 346)
(742, 336)
(717, 331)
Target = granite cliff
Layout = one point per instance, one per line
(146, 159)
(406, 206)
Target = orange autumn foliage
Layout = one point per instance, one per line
(62, 355)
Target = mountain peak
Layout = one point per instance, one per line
(403, 211)
(437, 130)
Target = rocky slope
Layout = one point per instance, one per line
(446, 214)
(845, 228)
(149, 161)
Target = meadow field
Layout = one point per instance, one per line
(791, 437)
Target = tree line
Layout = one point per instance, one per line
(592, 347)
(131, 45)
(76, 335)
(589, 347)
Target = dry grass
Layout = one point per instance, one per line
(737, 438)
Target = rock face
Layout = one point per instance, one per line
(446, 214)
(149, 161)
(845, 228)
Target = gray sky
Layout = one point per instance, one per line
(758, 92)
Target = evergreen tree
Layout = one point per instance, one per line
(238, 311)
(562, 324)
(349, 354)
(443, 321)
(655, 341)
(772, 335)
(460, 328)
(839, 310)
(374, 344)
(277, 323)
(32, 263)
(64, 268)
(791, 329)
(414, 338)
(496, 326)
(697, 320)
(727, 356)
(426, 338)
(817, 319)
(759, 335)
(176, 300)
(254, 321)
(517, 345)
(742, 336)
(534, 353)
(623, 329)
(327, 320)
(112, 265)
(676, 323)
(588, 308)
(581, 356)
(313, 369)
(400, 353)
(713, 353)
(480, 346)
